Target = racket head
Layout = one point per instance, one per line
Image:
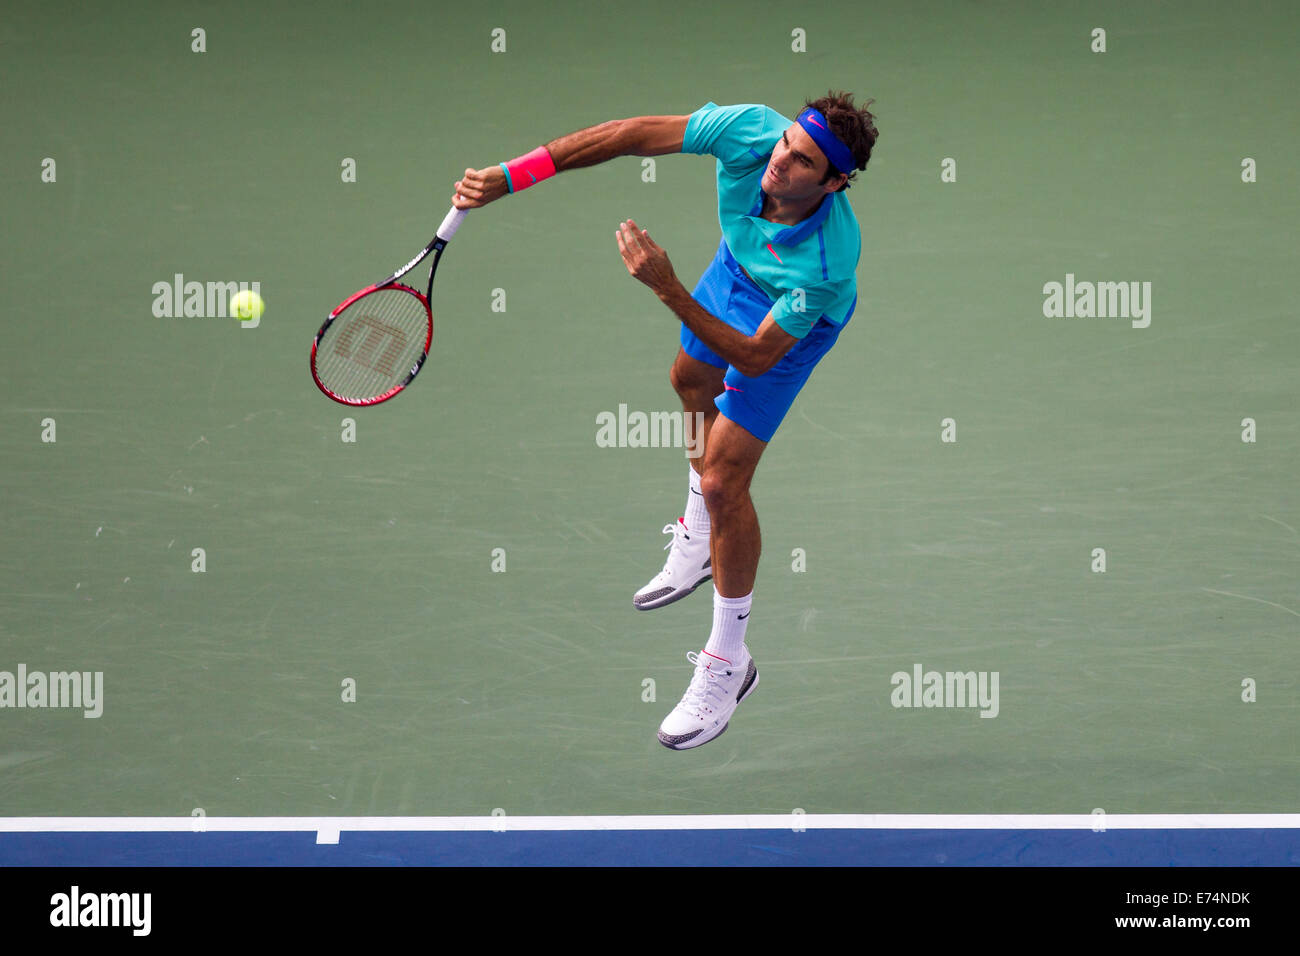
(372, 345)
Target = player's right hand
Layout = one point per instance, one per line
(478, 187)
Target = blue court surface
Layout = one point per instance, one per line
(1135, 841)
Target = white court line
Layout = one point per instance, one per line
(330, 827)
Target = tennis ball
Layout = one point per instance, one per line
(247, 305)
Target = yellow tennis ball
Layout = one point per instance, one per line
(247, 305)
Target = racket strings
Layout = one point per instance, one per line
(374, 344)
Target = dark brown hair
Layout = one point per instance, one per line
(854, 125)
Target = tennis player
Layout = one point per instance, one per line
(771, 304)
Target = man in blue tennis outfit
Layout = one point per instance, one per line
(771, 304)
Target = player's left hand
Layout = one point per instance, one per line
(646, 261)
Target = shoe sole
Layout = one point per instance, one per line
(674, 596)
(701, 740)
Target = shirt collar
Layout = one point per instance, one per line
(792, 235)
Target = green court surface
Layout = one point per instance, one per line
(525, 689)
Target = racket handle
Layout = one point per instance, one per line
(451, 223)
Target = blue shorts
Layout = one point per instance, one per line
(755, 404)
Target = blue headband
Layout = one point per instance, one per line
(839, 155)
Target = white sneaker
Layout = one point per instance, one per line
(687, 567)
(716, 690)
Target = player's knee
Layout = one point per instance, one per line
(680, 379)
(690, 384)
(718, 490)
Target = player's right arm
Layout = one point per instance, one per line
(637, 136)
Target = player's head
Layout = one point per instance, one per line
(852, 126)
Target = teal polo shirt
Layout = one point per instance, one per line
(818, 257)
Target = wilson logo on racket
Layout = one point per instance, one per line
(372, 332)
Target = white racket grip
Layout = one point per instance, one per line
(451, 223)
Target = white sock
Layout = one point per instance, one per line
(697, 515)
(730, 617)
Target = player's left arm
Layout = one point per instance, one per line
(752, 355)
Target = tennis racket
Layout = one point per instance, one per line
(374, 343)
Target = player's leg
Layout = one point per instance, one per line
(750, 412)
(697, 384)
(735, 539)
(697, 381)
(725, 673)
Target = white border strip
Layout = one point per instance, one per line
(328, 828)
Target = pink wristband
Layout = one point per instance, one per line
(529, 169)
